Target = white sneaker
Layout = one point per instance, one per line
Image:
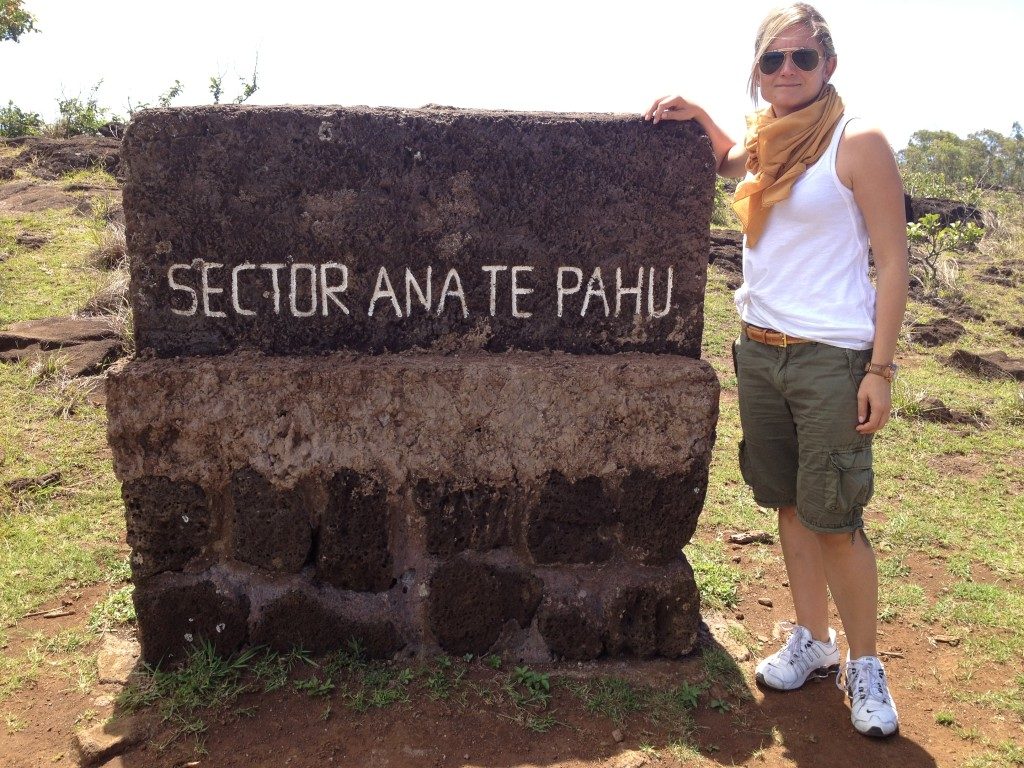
(872, 710)
(801, 657)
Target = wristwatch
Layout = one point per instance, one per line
(886, 370)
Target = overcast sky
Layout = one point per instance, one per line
(937, 64)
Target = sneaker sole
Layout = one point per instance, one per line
(819, 674)
(875, 732)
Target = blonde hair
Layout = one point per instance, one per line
(781, 19)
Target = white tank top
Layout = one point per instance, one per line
(808, 274)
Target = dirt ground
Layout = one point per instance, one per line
(807, 728)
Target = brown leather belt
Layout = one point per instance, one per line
(770, 337)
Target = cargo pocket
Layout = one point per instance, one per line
(851, 481)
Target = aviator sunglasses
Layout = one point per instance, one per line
(772, 61)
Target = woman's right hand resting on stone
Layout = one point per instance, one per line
(730, 158)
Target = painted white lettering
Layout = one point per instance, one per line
(292, 298)
(446, 291)
(384, 291)
(234, 288)
(176, 286)
(275, 284)
(517, 292)
(621, 291)
(412, 285)
(208, 291)
(650, 295)
(595, 287)
(562, 290)
(328, 291)
(494, 270)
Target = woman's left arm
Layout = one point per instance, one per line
(866, 164)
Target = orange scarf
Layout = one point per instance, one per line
(779, 149)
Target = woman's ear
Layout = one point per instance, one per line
(830, 67)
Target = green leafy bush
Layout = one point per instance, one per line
(80, 115)
(933, 240)
(15, 122)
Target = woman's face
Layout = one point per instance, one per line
(790, 88)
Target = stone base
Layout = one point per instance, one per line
(475, 604)
(529, 503)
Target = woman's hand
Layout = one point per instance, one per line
(673, 108)
(730, 160)
(874, 402)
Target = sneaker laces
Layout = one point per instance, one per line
(799, 640)
(864, 680)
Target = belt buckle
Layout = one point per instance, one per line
(785, 340)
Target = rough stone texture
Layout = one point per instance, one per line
(435, 496)
(52, 158)
(653, 616)
(103, 741)
(571, 627)
(353, 549)
(83, 345)
(949, 211)
(168, 523)
(56, 332)
(571, 522)
(177, 611)
(936, 332)
(271, 527)
(116, 659)
(298, 619)
(990, 365)
(212, 188)
(471, 601)
(496, 420)
(460, 516)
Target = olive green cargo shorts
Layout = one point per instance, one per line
(798, 410)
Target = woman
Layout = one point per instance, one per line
(814, 360)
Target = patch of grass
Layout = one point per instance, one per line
(945, 718)
(611, 697)
(717, 581)
(55, 279)
(444, 677)
(89, 177)
(60, 537)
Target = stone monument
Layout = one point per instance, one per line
(426, 379)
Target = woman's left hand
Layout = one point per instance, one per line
(874, 401)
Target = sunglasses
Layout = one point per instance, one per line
(772, 61)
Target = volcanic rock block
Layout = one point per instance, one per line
(353, 549)
(309, 229)
(639, 610)
(298, 619)
(178, 611)
(168, 523)
(271, 527)
(503, 422)
(571, 522)
(471, 601)
(460, 517)
(650, 617)
(571, 627)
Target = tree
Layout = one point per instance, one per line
(15, 21)
(985, 158)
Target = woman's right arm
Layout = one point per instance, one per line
(730, 156)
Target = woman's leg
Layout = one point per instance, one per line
(852, 576)
(803, 555)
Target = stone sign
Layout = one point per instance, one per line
(294, 230)
(306, 460)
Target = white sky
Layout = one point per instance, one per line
(937, 64)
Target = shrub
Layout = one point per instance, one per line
(79, 115)
(933, 241)
(15, 122)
